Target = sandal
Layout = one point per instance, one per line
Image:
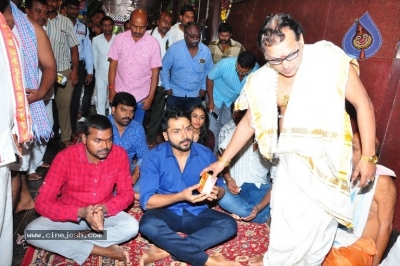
(34, 177)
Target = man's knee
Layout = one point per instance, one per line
(149, 225)
(228, 226)
(130, 227)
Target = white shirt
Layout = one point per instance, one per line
(247, 166)
(101, 47)
(162, 41)
(175, 34)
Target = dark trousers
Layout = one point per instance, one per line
(206, 230)
(183, 102)
(76, 95)
(157, 109)
(87, 97)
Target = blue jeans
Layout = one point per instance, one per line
(139, 113)
(242, 204)
(185, 103)
(207, 229)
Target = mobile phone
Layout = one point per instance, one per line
(214, 114)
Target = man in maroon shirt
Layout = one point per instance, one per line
(78, 195)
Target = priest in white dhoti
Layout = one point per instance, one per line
(296, 109)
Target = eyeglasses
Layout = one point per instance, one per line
(241, 73)
(279, 61)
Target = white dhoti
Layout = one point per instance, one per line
(302, 232)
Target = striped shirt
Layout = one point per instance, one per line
(234, 49)
(62, 38)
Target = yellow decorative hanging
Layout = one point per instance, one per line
(225, 9)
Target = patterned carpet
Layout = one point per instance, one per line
(251, 240)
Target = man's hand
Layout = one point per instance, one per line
(210, 105)
(94, 216)
(252, 215)
(187, 194)
(147, 103)
(33, 95)
(202, 93)
(214, 193)
(111, 94)
(232, 187)
(73, 76)
(17, 145)
(89, 79)
(366, 171)
(169, 92)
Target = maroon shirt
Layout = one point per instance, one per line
(73, 182)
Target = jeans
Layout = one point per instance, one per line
(182, 102)
(224, 116)
(207, 229)
(242, 204)
(139, 113)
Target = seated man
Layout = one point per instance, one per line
(128, 133)
(247, 186)
(373, 216)
(170, 174)
(78, 194)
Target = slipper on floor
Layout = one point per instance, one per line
(34, 177)
(45, 165)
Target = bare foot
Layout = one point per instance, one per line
(24, 206)
(154, 254)
(218, 260)
(113, 252)
(235, 216)
(119, 254)
(45, 255)
(256, 261)
(34, 177)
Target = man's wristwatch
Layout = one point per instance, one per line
(372, 159)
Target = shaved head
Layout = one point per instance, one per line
(3, 5)
(138, 23)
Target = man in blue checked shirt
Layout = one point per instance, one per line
(184, 69)
(85, 67)
(224, 84)
(128, 133)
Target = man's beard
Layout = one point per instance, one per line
(178, 147)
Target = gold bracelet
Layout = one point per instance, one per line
(226, 162)
(229, 179)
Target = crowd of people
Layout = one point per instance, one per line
(274, 157)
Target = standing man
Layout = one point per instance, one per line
(127, 133)
(177, 31)
(63, 40)
(135, 62)
(12, 130)
(85, 66)
(169, 179)
(224, 84)
(79, 194)
(185, 68)
(310, 192)
(225, 47)
(164, 23)
(96, 29)
(101, 45)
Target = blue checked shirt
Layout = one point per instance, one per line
(185, 75)
(227, 85)
(133, 140)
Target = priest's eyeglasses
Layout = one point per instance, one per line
(279, 61)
